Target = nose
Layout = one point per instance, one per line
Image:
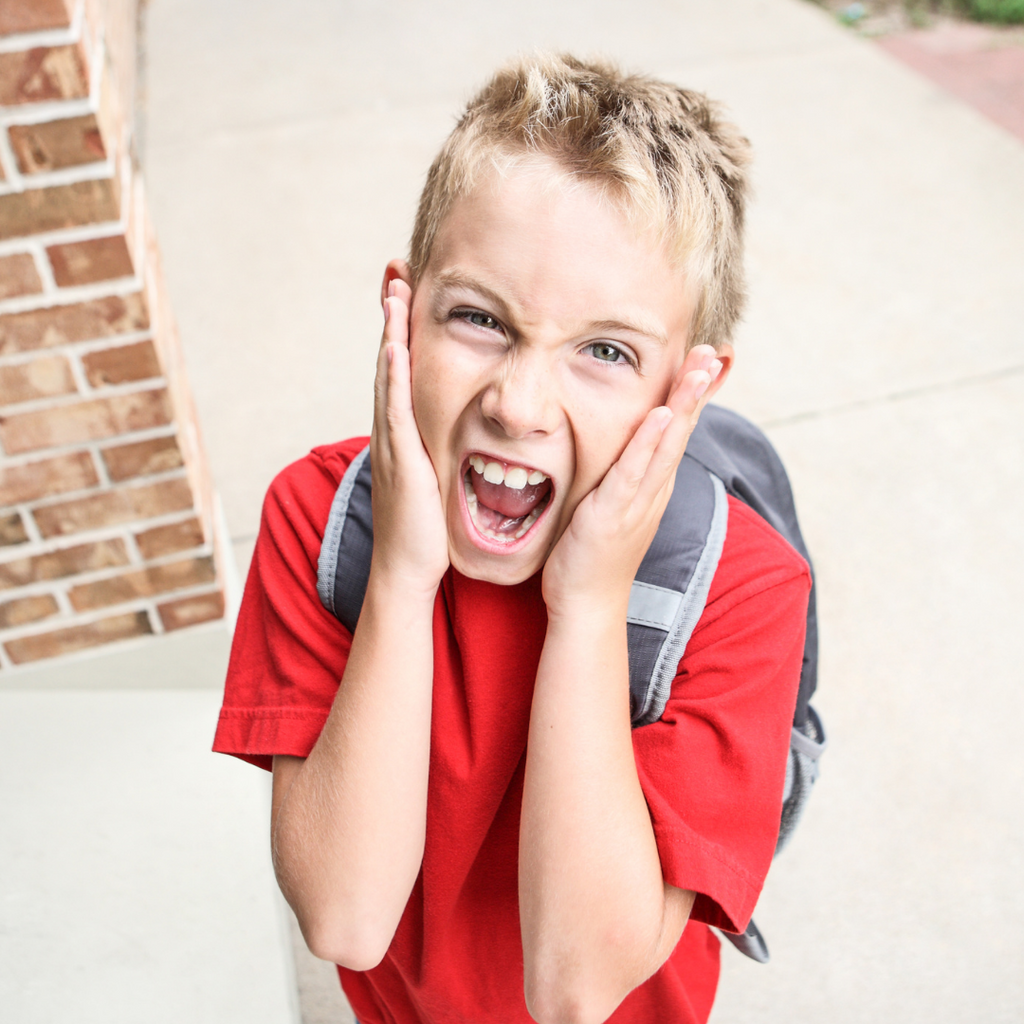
(521, 401)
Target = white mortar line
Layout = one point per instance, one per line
(12, 175)
(154, 619)
(127, 485)
(63, 601)
(61, 236)
(34, 587)
(70, 348)
(50, 110)
(134, 554)
(104, 443)
(72, 296)
(45, 37)
(31, 529)
(53, 402)
(85, 389)
(93, 171)
(80, 492)
(99, 465)
(43, 268)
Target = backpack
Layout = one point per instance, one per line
(726, 454)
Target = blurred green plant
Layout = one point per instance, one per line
(920, 12)
(1010, 12)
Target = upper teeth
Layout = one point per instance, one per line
(515, 477)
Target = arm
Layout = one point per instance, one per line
(348, 822)
(597, 917)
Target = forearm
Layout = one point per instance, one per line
(597, 917)
(348, 832)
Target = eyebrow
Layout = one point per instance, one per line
(455, 279)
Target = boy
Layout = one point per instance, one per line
(467, 824)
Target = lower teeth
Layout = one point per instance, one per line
(473, 504)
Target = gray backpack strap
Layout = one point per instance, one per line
(807, 743)
(671, 587)
(739, 454)
(343, 568)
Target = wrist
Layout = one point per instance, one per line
(587, 614)
(392, 586)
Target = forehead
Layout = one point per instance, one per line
(551, 244)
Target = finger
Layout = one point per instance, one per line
(621, 483)
(399, 411)
(394, 343)
(400, 290)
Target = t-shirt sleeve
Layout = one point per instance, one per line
(713, 767)
(288, 653)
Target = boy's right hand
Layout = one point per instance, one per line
(410, 537)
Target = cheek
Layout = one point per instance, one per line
(601, 436)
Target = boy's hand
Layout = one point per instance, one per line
(596, 559)
(410, 538)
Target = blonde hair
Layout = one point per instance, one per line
(664, 154)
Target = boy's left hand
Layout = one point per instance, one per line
(596, 559)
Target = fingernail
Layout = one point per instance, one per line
(715, 369)
(702, 387)
(387, 310)
(664, 418)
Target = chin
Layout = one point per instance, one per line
(503, 570)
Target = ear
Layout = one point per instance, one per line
(726, 355)
(395, 270)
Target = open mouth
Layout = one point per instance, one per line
(504, 500)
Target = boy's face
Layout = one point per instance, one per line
(543, 330)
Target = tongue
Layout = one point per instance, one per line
(506, 501)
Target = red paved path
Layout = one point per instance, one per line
(982, 65)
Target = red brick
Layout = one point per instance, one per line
(143, 458)
(80, 321)
(190, 611)
(32, 16)
(27, 609)
(77, 638)
(55, 565)
(61, 206)
(18, 276)
(112, 507)
(85, 421)
(12, 530)
(49, 146)
(34, 480)
(97, 259)
(42, 378)
(42, 73)
(166, 540)
(155, 579)
(122, 364)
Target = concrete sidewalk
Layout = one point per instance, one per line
(134, 888)
(883, 352)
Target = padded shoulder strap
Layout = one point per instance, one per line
(343, 568)
(739, 454)
(671, 587)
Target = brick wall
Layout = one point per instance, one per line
(107, 525)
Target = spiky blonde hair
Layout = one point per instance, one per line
(663, 154)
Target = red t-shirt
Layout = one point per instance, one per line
(712, 768)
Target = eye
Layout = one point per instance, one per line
(477, 318)
(606, 352)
